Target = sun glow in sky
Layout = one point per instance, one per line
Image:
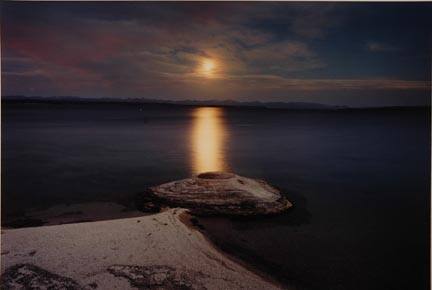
(208, 67)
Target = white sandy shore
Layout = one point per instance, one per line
(84, 252)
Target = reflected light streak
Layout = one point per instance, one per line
(207, 138)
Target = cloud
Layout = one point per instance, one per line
(378, 47)
(277, 82)
(112, 51)
(148, 50)
(285, 56)
(315, 23)
(357, 84)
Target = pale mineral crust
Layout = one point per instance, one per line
(159, 251)
(217, 193)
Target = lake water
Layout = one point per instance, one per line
(360, 180)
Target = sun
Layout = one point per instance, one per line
(208, 67)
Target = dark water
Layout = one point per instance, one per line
(360, 180)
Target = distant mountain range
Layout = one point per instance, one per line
(230, 103)
(225, 103)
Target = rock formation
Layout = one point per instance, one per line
(217, 193)
(28, 276)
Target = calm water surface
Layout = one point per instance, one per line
(359, 180)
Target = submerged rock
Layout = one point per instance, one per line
(218, 193)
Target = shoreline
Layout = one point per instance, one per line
(70, 213)
(186, 219)
(249, 259)
(114, 250)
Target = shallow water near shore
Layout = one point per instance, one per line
(359, 180)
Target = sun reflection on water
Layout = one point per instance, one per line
(208, 138)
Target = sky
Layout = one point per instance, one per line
(354, 54)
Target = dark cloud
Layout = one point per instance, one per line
(262, 51)
(378, 46)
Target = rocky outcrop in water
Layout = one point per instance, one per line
(216, 193)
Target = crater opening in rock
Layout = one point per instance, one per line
(215, 175)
